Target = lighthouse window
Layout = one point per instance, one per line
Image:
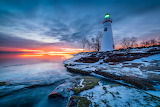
(105, 29)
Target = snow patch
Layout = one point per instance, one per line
(81, 83)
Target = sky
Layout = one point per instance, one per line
(59, 25)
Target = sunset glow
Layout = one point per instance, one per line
(63, 51)
(46, 56)
(52, 54)
(29, 50)
(64, 54)
(31, 55)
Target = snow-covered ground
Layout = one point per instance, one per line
(81, 85)
(116, 95)
(147, 68)
(129, 68)
(148, 59)
(119, 96)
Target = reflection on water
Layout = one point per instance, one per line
(25, 70)
(30, 78)
(23, 58)
(53, 56)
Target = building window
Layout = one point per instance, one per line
(105, 29)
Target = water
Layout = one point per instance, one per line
(31, 78)
(23, 71)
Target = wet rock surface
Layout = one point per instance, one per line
(133, 70)
(63, 90)
(77, 101)
(130, 67)
(119, 96)
(88, 91)
(2, 83)
(102, 95)
(74, 87)
(141, 83)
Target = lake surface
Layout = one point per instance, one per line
(30, 78)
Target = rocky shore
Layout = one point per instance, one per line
(88, 91)
(137, 68)
(133, 72)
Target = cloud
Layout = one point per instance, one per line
(40, 22)
(7, 41)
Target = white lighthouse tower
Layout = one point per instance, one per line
(107, 39)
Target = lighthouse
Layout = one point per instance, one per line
(107, 39)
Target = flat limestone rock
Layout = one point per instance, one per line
(54, 94)
(63, 90)
(67, 89)
(77, 101)
(140, 70)
(116, 95)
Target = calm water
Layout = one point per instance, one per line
(24, 72)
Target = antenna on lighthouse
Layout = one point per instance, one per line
(107, 39)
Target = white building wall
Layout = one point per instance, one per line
(107, 39)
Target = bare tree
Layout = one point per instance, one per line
(89, 44)
(98, 41)
(145, 43)
(93, 43)
(153, 42)
(150, 42)
(83, 42)
(133, 41)
(125, 42)
(129, 42)
(158, 41)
